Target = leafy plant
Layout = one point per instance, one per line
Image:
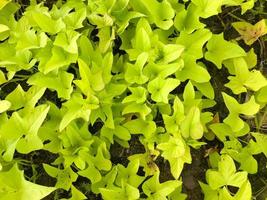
(119, 95)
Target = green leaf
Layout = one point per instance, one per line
(134, 73)
(30, 40)
(91, 173)
(46, 23)
(226, 174)
(261, 141)
(76, 107)
(220, 50)
(160, 88)
(138, 95)
(253, 80)
(3, 3)
(61, 82)
(74, 20)
(33, 122)
(160, 13)
(140, 126)
(200, 74)
(248, 108)
(189, 92)
(194, 42)
(177, 153)
(261, 96)
(100, 20)
(119, 131)
(14, 186)
(126, 192)
(209, 193)
(2, 77)
(156, 190)
(4, 105)
(205, 88)
(129, 174)
(19, 98)
(142, 109)
(188, 19)
(65, 177)
(208, 8)
(191, 125)
(76, 194)
(142, 40)
(59, 59)
(4, 31)
(245, 192)
(68, 41)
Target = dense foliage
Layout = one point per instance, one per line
(87, 82)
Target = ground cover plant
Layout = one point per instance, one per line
(133, 99)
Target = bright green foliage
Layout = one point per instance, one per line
(220, 50)
(114, 92)
(208, 7)
(160, 88)
(245, 79)
(177, 153)
(14, 186)
(243, 155)
(160, 13)
(233, 119)
(156, 190)
(4, 105)
(226, 175)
